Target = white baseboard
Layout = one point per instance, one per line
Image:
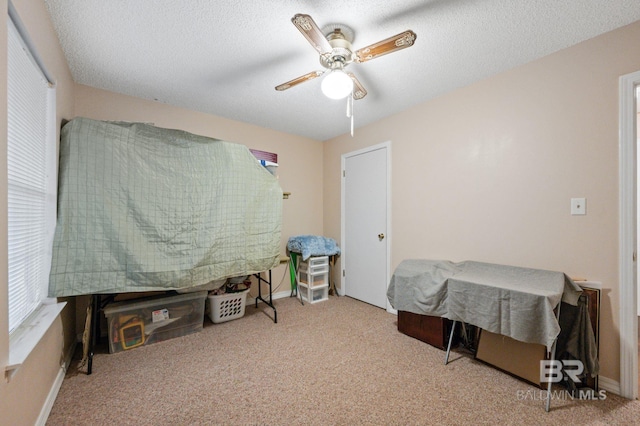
(57, 383)
(274, 296)
(51, 398)
(609, 385)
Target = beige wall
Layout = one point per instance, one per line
(483, 173)
(299, 159)
(486, 172)
(22, 399)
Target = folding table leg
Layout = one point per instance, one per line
(94, 330)
(552, 357)
(453, 329)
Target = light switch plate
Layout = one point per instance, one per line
(578, 206)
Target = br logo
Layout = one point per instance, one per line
(555, 371)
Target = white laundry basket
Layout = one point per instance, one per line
(227, 307)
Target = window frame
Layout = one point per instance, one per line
(25, 336)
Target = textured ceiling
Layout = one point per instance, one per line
(225, 57)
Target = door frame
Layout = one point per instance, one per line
(343, 243)
(628, 235)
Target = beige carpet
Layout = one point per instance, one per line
(337, 362)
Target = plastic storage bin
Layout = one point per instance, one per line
(138, 322)
(314, 272)
(314, 294)
(315, 265)
(227, 307)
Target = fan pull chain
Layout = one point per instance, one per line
(352, 124)
(350, 110)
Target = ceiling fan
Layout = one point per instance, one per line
(333, 43)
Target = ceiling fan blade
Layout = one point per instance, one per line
(359, 91)
(311, 32)
(391, 44)
(298, 80)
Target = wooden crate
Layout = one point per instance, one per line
(432, 330)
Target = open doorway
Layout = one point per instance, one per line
(628, 225)
(637, 117)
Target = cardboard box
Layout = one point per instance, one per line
(512, 356)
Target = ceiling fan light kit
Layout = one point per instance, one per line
(333, 43)
(337, 84)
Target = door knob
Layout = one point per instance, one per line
(381, 237)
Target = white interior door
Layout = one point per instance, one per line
(365, 258)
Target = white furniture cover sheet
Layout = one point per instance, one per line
(508, 300)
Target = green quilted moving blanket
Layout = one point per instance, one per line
(142, 208)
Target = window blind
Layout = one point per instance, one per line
(31, 179)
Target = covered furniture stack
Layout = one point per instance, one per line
(146, 209)
(521, 303)
(141, 208)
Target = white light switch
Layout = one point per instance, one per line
(578, 206)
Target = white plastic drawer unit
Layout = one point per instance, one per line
(314, 272)
(318, 269)
(316, 261)
(313, 280)
(314, 265)
(314, 294)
